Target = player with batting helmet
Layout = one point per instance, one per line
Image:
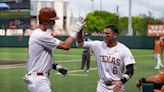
(41, 44)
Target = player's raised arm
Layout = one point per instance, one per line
(80, 40)
(75, 30)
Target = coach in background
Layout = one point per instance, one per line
(111, 56)
(158, 50)
(40, 53)
(86, 55)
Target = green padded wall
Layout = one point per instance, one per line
(13, 41)
(133, 42)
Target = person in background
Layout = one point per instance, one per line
(86, 55)
(158, 50)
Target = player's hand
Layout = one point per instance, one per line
(61, 70)
(77, 27)
(138, 83)
(117, 85)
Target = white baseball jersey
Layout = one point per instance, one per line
(110, 61)
(41, 45)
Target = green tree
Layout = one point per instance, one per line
(97, 20)
(138, 26)
(146, 20)
(123, 25)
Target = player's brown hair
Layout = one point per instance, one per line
(113, 27)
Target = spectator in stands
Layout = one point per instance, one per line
(12, 25)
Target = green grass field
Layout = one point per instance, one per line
(77, 81)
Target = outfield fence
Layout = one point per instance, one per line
(133, 42)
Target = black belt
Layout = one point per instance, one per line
(39, 74)
(108, 83)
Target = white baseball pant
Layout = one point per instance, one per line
(37, 83)
(158, 59)
(101, 87)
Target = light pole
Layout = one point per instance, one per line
(117, 16)
(92, 6)
(130, 30)
(100, 5)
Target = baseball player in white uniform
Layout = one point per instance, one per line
(111, 56)
(41, 44)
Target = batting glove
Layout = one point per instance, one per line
(61, 70)
(77, 27)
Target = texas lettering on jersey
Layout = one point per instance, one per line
(110, 59)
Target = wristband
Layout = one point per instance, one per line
(142, 80)
(58, 67)
(54, 65)
(126, 76)
(123, 80)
